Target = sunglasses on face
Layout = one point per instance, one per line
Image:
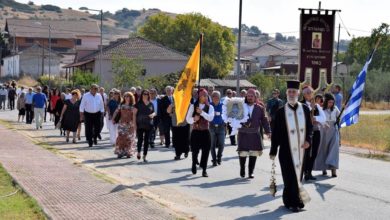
(146, 93)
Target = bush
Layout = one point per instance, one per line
(84, 79)
(55, 81)
(51, 8)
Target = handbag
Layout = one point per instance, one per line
(117, 117)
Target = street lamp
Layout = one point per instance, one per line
(101, 37)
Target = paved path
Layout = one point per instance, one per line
(360, 192)
(66, 191)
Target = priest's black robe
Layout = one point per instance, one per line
(280, 139)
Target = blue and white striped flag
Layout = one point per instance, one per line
(351, 113)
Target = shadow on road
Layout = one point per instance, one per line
(247, 201)
(235, 181)
(265, 214)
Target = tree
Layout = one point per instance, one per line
(127, 72)
(254, 31)
(182, 33)
(279, 37)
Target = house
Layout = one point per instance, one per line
(33, 61)
(66, 36)
(156, 58)
(266, 55)
(223, 84)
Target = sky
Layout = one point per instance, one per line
(359, 16)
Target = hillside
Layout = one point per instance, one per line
(115, 25)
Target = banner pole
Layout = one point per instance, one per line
(200, 60)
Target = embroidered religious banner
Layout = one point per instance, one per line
(316, 46)
(235, 113)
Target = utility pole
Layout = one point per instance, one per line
(49, 54)
(239, 49)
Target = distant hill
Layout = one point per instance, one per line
(115, 25)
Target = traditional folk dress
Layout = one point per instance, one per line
(328, 152)
(200, 134)
(125, 141)
(249, 138)
(293, 127)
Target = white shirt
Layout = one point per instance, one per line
(250, 109)
(3, 92)
(92, 104)
(68, 96)
(208, 116)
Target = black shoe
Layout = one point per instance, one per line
(204, 174)
(242, 166)
(95, 142)
(193, 168)
(40, 127)
(214, 163)
(186, 155)
(166, 146)
(67, 140)
(251, 176)
(152, 146)
(89, 145)
(219, 161)
(177, 158)
(99, 136)
(324, 173)
(294, 209)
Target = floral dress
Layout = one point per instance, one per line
(125, 142)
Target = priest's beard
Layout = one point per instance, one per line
(292, 100)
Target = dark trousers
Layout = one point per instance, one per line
(11, 102)
(311, 153)
(200, 140)
(181, 140)
(167, 124)
(92, 126)
(143, 137)
(217, 134)
(232, 137)
(29, 113)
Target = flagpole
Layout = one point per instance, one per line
(200, 60)
(349, 93)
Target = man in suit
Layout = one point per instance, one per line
(164, 116)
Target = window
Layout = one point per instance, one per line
(54, 41)
(29, 40)
(78, 41)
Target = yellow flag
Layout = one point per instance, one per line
(183, 91)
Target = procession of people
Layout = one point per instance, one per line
(304, 134)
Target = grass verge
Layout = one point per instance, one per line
(372, 132)
(18, 205)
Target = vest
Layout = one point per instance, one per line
(202, 124)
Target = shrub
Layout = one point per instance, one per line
(51, 8)
(84, 79)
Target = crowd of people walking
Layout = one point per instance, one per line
(136, 117)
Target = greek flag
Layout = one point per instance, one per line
(352, 107)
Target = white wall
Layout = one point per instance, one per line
(10, 67)
(88, 42)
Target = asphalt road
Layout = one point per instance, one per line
(361, 190)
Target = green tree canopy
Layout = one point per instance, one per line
(182, 33)
(127, 72)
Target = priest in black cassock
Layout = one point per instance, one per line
(292, 135)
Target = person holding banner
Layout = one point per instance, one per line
(292, 134)
(200, 114)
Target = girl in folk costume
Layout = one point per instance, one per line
(249, 138)
(292, 134)
(199, 115)
(328, 153)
